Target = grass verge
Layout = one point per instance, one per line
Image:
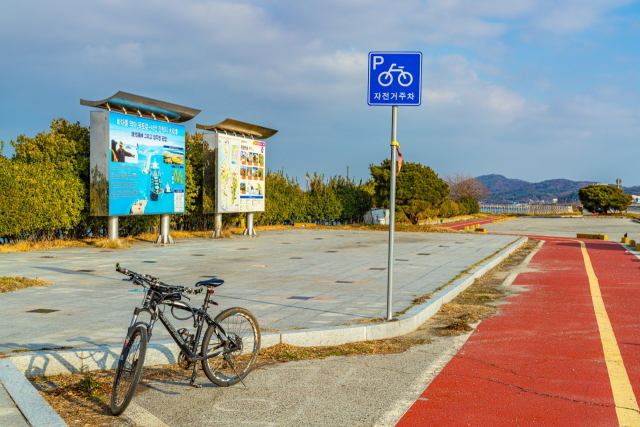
(128, 241)
(10, 284)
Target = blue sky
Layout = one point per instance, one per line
(528, 89)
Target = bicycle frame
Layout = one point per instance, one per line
(200, 317)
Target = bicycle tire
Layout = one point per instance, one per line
(408, 76)
(241, 326)
(129, 369)
(388, 77)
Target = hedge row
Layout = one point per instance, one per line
(44, 192)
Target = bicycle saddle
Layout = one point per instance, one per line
(211, 282)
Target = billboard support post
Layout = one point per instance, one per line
(164, 236)
(249, 231)
(217, 225)
(112, 228)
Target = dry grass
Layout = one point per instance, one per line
(285, 352)
(83, 399)
(10, 284)
(112, 244)
(41, 246)
(127, 242)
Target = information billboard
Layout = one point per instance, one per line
(240, 171)
(144, 167)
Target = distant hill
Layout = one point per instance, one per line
(505, 190)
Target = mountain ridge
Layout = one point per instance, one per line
(508, 190)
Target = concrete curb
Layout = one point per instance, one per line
(34, 408)
(47, 363)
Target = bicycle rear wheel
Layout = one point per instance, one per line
(243, 331)
(129, 369)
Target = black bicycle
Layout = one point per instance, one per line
(228, 349)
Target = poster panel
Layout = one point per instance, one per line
(146, 166)
(241, 174)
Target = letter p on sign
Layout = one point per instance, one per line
(377, 60)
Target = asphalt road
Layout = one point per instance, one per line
(337, 391)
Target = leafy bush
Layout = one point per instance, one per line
(448, 209)
(468, 206)
(39, 200)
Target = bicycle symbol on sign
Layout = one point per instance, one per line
(386, 78)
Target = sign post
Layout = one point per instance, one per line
(395, 78)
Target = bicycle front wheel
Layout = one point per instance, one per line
(241, 327)
(385, 78)
(129, 369)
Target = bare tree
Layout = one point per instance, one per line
(463, 186)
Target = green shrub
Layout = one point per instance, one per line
(448, 209)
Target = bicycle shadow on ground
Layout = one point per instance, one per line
(85, 359)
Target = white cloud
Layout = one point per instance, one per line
(573, 15)
(128, 55)
(300, 64)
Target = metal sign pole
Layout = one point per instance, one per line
(392, 207)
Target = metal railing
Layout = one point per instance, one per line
(526, 209)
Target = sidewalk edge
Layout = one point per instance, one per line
(34, 408)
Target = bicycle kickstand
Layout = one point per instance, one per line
(192, 383)
(228, 359)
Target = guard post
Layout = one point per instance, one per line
(137, 160)
(234, 169)
(395, 78)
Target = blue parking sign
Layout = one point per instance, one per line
(394, 78)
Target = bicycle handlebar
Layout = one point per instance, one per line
(155, 281)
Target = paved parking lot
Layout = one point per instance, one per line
(289, 279)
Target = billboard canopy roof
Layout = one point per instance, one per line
(135, 105)
(235, 126)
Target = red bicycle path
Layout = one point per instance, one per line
(460, 225)
(540, 360)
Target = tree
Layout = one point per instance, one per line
(448, 209)
(38, 199)
(419, 190)
(603, 198)
(463, 186)
(468, 206)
